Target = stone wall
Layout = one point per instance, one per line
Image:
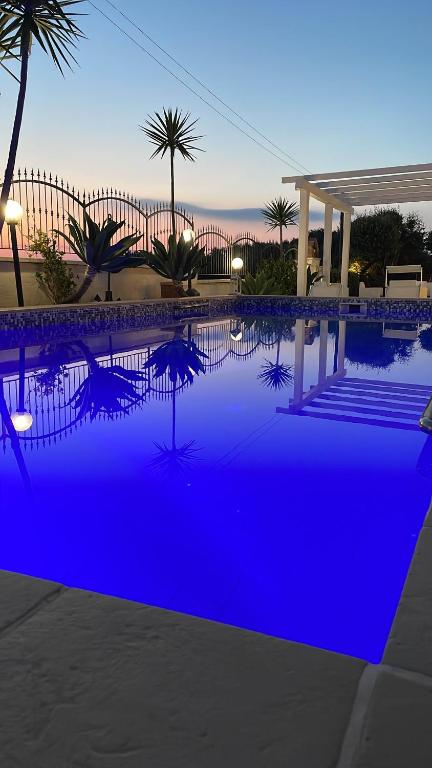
(129, 285)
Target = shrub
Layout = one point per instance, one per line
(282, 273)
(55, 277)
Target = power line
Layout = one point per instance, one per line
(204, 86)
(192, 90)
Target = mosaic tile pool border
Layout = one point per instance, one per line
(33, 325)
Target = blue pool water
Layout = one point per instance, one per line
(269, 474)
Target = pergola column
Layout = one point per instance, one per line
(303, 242)
(345, 253)
(328, 233)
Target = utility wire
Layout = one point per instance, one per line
(205, 87)
(192, 90)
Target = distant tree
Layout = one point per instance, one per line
(279, 214)
(172, 132)
(376, 241)
(51, 24)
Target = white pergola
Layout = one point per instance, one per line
(344, 190)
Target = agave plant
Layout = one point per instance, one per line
(52, 25)
(172, 132)
(278, 214)
(107, 389)
(93, 245)
(260, 285)
(178, 262)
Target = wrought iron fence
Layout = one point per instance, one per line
(48, 200)
(222, 249)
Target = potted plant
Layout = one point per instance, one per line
(177, 262)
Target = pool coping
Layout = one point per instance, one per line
(379, 714)
(35, 325)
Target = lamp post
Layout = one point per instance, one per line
(13, 216)
(21, 419)
(188, 236)
(237, 265)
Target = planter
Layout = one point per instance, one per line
(170, 291)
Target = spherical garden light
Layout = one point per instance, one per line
(13, 212)
(22, 421)
(188, 235)
(236, 266)
(13, 217)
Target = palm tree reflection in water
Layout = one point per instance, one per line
(181, 360)
(277, 374)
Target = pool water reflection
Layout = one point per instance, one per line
(266, 473)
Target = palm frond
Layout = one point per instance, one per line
(52, 23)
(173, 131)
(280, 213)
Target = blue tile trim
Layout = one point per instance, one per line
(43, 324)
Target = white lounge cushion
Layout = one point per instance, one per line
(323, 289)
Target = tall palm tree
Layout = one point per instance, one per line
(172, 132)
(51, 23)
(280, 213)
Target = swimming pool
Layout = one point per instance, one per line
(267, 473)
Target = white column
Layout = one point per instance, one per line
(303, 242)
(345, 253)
(299, 349)
(328, 231)
(341, 346)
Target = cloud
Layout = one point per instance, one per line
(234, 214)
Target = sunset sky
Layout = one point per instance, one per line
(338, 85)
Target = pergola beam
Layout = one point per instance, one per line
(360, 173)
(415, 177)
(389, 186)
(337, 202)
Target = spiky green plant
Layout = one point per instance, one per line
(93, 245)
(259, 285)
(279, 214)
(172, 131)
(52, 25)
(178, 262)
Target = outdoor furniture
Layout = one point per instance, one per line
(369, 293)
(411, 288)
(406, 289)
(325, 290)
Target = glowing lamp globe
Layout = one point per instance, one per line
(236, 335)
(22, 421)
(188, 235)
(13, 212)
(237, 263)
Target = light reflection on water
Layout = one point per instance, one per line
(267, 473)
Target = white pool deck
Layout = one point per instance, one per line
(95, 682)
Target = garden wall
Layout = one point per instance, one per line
(131, 284)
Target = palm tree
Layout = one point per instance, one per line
(280, 213)
(51, 23)
(171, 132)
